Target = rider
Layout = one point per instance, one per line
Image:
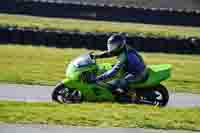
(128, 59)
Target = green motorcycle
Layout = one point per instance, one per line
(77, 86)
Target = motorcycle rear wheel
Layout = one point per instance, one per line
(156, 96)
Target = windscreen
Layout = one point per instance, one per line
(83, 60)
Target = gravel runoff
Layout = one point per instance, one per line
(35, 93)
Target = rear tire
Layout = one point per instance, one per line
(157, 96)
(163, 93)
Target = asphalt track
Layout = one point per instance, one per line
(7, 128)
(35, 93)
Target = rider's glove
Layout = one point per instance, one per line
(92, 55)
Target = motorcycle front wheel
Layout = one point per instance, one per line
(61, 94)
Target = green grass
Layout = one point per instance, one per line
(100, 115)
(99, 26)
(46, 66)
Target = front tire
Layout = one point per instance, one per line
(56, 91)
(61, 94)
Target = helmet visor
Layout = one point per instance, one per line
(113, 47)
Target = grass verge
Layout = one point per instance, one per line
(46, 66)
(99, 26)
(100, 115)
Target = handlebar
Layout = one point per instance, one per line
(92, 56)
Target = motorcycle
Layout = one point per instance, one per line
(77, 86)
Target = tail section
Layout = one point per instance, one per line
(156, 74)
